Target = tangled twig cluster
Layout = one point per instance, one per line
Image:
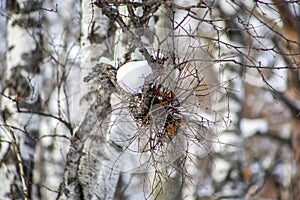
(157, 99)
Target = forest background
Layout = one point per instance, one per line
(229, 71)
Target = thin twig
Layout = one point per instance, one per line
(16, 149)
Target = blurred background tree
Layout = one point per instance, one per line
(56, 128)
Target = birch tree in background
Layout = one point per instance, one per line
(149, 99)
(38, 60)
(21, 97)
(61, 93)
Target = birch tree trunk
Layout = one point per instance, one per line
(97, 43)
(21, 86)
(85, 167)
(60, 93)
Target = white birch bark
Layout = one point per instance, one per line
(96, 43)
(85, 173)
(22, 84)
(59, 92)
(6, 172)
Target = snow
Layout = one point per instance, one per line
(251, 126)
(131, 75)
